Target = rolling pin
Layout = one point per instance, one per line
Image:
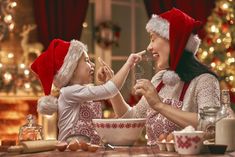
(33, 146)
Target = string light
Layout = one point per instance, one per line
(6, 17)
(217, 50)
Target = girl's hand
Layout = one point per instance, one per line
(104, 73)
(145, 87)
(134, 58)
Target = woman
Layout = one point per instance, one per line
(181, 87)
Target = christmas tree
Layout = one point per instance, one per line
(218, 47)
(16, 55)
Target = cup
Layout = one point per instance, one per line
(225, 133)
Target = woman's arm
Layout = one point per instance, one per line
(179, 117)
(207, 84)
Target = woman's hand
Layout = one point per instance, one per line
(104, 73)
(145, 87)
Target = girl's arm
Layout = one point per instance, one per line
(105, 91)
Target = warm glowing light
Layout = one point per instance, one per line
(229, 54)
(106, 113)
(11, 26)
(1, 65)
(231, 78)
(48, 116)
(22, 65)
(26, 72)
(225, 6)
(214, 29)
(213, 64)
(8, 18)
(13, 4)
(10, 55)
(228, 34)
(218, 41)
(27, 86)
(146, 136)
(230, 60)
(204, 54)
(7, 76)
(84, 25)
(211, 49)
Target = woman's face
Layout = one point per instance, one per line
(84, 72)
(160, 49)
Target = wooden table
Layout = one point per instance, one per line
(135, 151)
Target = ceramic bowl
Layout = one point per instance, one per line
(119, 131)
(188, 143)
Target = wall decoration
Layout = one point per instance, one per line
(107, 34)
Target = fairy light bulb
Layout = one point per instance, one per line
(27, 86)
(218, 41)
(225, 6)
(10, 55)
(7, 76)
(26, 72)
(8, 18)
(213, 64)
(211, 49)
(11, 26)
(13, 4)
(22, 65)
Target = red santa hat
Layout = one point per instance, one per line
(56, 66)
(180, 29)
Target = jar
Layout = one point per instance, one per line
(30, 131)
(207, 122)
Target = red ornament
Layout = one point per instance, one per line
(225, 27)
(230, 49)
(220, 12)
(216, 60)
(209, 41)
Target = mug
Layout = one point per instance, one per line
(225, 133)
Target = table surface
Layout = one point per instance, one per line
(134, 151)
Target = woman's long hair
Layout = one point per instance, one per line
(189, 67)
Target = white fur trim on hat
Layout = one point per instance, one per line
(161, 26)
(63, 76)
(193, 43)
(170, 78)
(158, 25)
(47, 105)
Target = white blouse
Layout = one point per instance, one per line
(76, 107)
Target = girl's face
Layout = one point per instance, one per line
(84, 72)
(160, 49)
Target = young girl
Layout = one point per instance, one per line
(68, 67)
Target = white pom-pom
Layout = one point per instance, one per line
(47, 105)
(170, 78)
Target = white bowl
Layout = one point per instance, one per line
(119, 131)
(188, 142)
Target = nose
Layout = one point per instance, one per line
(149, 48)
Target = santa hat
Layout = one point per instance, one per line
(179, 28)
(56, 66)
